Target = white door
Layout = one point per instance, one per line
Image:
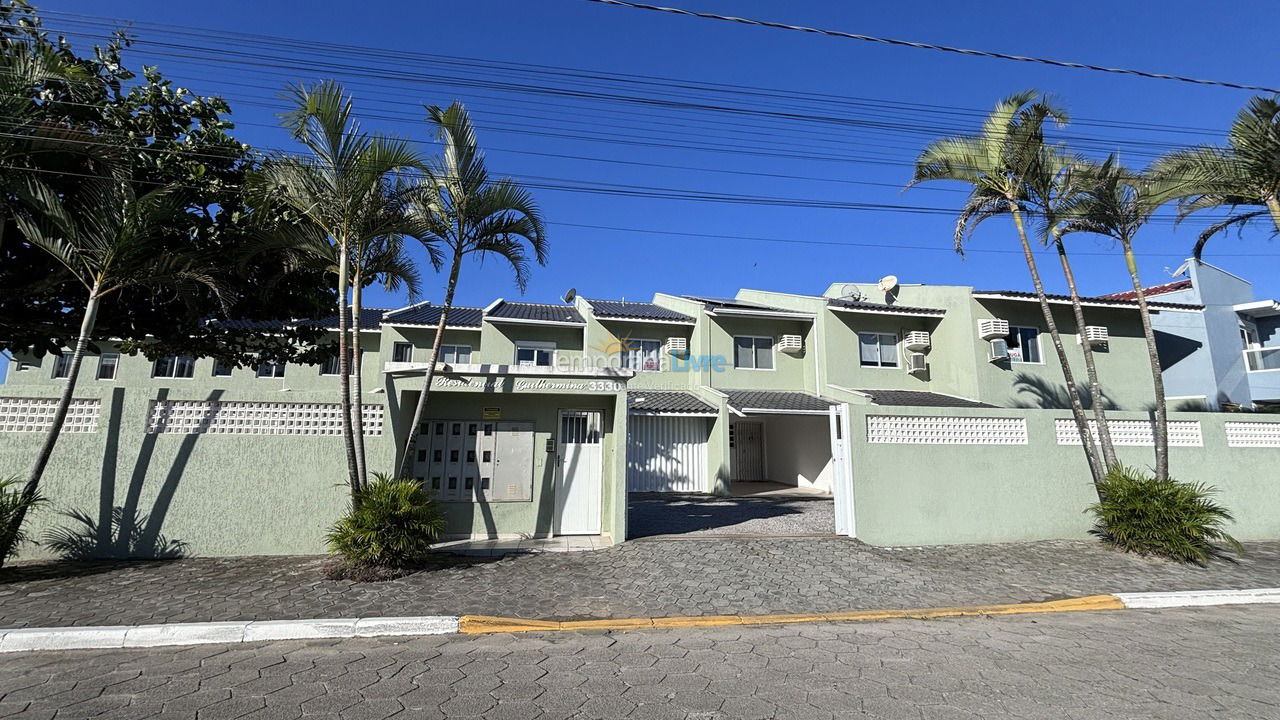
(666, 454)
(842, 478)
(578, 473)
(747, 440)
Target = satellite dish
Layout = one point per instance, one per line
(888, 283)
(570, 295)
(851, 292)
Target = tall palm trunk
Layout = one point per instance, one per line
(1077, 410)
(406, 461)
(32, 487)
(1091, 370)
(1157, 375)
(357, 390)
(1273, 205)
(344, 368)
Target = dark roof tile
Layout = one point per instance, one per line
(428, 314)
(541, 312)
(884, 308)
(782, 400)
(1102, 300)
(920, 398)
(606, 309)
(667, 401)
(1169, 287)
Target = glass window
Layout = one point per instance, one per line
(174, 366)
(221, 369)
(62, 365)
(1024, 345)
(107, 364)
(753, 353)
(402, 352)
(642, 355)
(877, 349)
(455, 354)
(534, 355)
(271, 370)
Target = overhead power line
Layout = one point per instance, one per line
(942, 48)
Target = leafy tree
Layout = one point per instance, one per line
(1006, 164)
(1243, 173)
(469, 213)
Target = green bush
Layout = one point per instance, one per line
(11, 503)
(392, 523)
(1168, 518)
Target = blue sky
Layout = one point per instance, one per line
(1180, 38)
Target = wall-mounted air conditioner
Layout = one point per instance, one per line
(999, 350)
(993, 328)
(916, 340)
(793, 344)
(1095, 335)
(916, 363)
(677, 346)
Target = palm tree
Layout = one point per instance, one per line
(1244, 173)
(997, 163)
(1117, 204)
(108, 238)
(339, 189)
(469, 213)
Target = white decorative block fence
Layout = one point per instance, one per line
(254, 418)
(937, 430)
(1253, 434)
(26, 414)
(1134, 433)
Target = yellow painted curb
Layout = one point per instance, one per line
(478, 624)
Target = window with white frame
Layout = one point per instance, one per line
(642, 355)
(537, 354)
(455, 354)
(1024, 345)
(62, 365)
(402, 352)
(174, 366)
(877, 349)
(271, 370)
(222, 368)
(107, 364)
(752, 353)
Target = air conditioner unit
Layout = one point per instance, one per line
(1095, 335)
(993, 328)
(793, 344)
(916, 363)
(916, 340)
(999, 350)
(677, 346)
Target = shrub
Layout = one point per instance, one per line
(1172, 519)
(392, 523)
(11, 504)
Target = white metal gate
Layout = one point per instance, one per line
(746, 442)
(578, 473)
(667, 454)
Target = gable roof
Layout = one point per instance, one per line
(370, 319)
(533, 312)
(429, 315)
(1104, 300)
(635, 311)
(667, 401)
(1168, 287)
(920, 398)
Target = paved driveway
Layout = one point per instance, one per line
(689, 515)
(1194, 664)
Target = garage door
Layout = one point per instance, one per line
(667, 454)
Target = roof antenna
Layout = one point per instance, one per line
(570, 295)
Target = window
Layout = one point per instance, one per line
(62, 365)
(174, 366)
(536, 354)
(402, 352)
(330, 365)
(221, 368)
(455, 354)
(878, 349)
(642, 355)
(271, 370)
(107, 363)
(753, 353)
(1024, 345)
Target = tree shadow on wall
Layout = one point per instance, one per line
(126, 536)
(1039, 394)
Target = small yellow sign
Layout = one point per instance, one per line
(493, 413)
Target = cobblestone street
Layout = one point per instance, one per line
(1168, 664)
(645, 578)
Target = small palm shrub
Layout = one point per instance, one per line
(1172, 519)
(391, 524)
(11, 505)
